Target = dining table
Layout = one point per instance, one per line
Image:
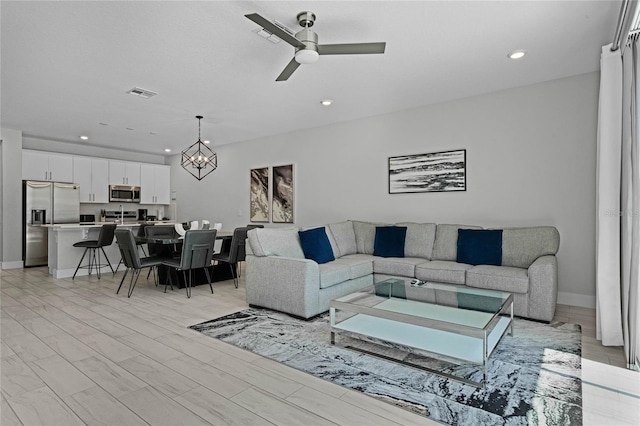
(172, 246)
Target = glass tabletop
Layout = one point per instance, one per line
(464, 306)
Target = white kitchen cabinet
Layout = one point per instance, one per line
(124, 173)
(93, 176)
(155, 181)
(46, 166)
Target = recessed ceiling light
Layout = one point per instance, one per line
(326, 102)
(84, 138)
(167, 150)
(206, 142)
(517, 54)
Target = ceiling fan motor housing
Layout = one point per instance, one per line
(309, 53)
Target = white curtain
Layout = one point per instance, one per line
(608, 312)
(618, 200)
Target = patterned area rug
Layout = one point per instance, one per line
(533, 376)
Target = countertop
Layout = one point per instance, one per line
(99, 224)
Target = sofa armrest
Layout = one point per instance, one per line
(284, 284)
(543, 288)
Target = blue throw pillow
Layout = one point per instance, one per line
(389, 241)
(480, 246)
(316, 245)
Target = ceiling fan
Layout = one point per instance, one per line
(306, 43)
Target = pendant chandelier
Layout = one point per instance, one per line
(199, 159)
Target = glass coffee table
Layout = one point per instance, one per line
(430, 319)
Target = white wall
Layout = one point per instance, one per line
(11, 237)
(51, 145)
(530, 161)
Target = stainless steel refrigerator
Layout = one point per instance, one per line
(45, 203)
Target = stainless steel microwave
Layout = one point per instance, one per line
(129, 194)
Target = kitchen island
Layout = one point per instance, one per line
(64, 257)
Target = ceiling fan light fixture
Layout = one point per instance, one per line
(307, 56)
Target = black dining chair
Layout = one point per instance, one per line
(139, 244)
(232, 251)
(132, 260)
(197, 249)
(160, 250)
(104, 239)
(160, 231)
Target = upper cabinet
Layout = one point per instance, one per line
(38, 165)
(155, 181)
(93, 176)
(124, 173)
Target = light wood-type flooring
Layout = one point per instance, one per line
(74, 352)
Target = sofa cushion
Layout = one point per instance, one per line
(344, 238)
(503, 278)
(403, 266)
(442, 271)
(365, 235)
(389, 241)
(480, 246)
(276, 242)
(315, 245)
(333, 273)
(360, 265)
(420, 238)
(522, 246)
(446, 244)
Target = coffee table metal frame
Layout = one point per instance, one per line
(490, 333)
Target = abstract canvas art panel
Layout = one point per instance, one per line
(435, 172)
(259, 195)
(282, 194)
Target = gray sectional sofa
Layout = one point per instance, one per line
(280, 278)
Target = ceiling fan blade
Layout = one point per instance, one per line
(288, 70)
(351, 48)
(273, 29)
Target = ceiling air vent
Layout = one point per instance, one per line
(143, 93)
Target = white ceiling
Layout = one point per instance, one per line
(65, 66)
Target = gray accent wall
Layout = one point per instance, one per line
(530, 161)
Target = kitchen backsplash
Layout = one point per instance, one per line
(160, 211)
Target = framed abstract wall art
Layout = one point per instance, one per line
(435, 172)
(259, 195)
(282, 194)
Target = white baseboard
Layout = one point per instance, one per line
(17, 264)
(575, 299)
(68, 273)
